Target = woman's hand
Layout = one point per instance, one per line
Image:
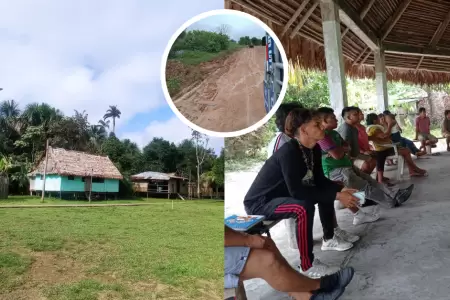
(346, 198)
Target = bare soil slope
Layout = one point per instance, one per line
(231, 97)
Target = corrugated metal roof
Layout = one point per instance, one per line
(155, 175)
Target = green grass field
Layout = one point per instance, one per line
(136, 252)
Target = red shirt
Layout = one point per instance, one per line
(423, 125)
(363, 139)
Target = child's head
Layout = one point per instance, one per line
(373, 119)
(422, 112)
(447, 113)
(282, 113)
(388, 116)
(350, 114)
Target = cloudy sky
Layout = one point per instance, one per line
(87, 55)
(238, 26)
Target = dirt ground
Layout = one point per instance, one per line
(231, 97)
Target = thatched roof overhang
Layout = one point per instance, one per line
(75, 163)
(415, 35)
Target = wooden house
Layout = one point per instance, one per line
(157, 184)
(74, 174)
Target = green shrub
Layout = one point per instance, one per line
(200, 40)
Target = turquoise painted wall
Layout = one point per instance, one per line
(110, 186)
(77, 185)
(52, 183)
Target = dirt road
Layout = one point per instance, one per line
(231, 97)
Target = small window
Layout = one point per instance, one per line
(83, 179)
(98, 180)
(71, 177)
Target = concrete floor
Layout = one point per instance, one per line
(405, 255)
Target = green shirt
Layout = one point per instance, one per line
(331, 141)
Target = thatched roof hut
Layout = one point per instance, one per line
(74, 163)
(415, 35)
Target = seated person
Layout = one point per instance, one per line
(289, 185)
(363, 142)
(280, 119)
(338, 166)
(396, 134)
(446, 128)
(349, 134)
(380, 138)
(282, 138)
(383, 123)
(254, 256)
(423, 133)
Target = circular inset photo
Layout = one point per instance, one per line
(224, 73)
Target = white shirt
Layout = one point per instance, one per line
(279, 140)
(395, 128)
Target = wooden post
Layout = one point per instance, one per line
(45, 172)
(90, 186)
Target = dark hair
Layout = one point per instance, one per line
(370, 119)
(387, 112)
(380, 115)
(282, 113)
(296, 118)
(447, 111)
(324, 112)
(422, 109)
(347, 110)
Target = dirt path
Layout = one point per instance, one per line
(231, 98)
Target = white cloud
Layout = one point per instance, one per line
(172, 130)
(87, 55)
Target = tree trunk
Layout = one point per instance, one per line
(4, 185)
(198, 181)
(114, 125)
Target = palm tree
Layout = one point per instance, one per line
(104, 124)
(41, 114)
(97, 134)
(10, 117)
(113, 112)
(9, 109)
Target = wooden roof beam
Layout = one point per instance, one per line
(440, 31)
(413, 50)
(303, 20)
(390, 23)
(362, 15)
(294, 17)
(353, 21)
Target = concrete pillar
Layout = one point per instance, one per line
(381, 82)
(333, 55)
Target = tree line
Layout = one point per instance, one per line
(255, 41)
(211, 41)
(23, 136)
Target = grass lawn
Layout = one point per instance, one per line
(137, 252)
(27, 200)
